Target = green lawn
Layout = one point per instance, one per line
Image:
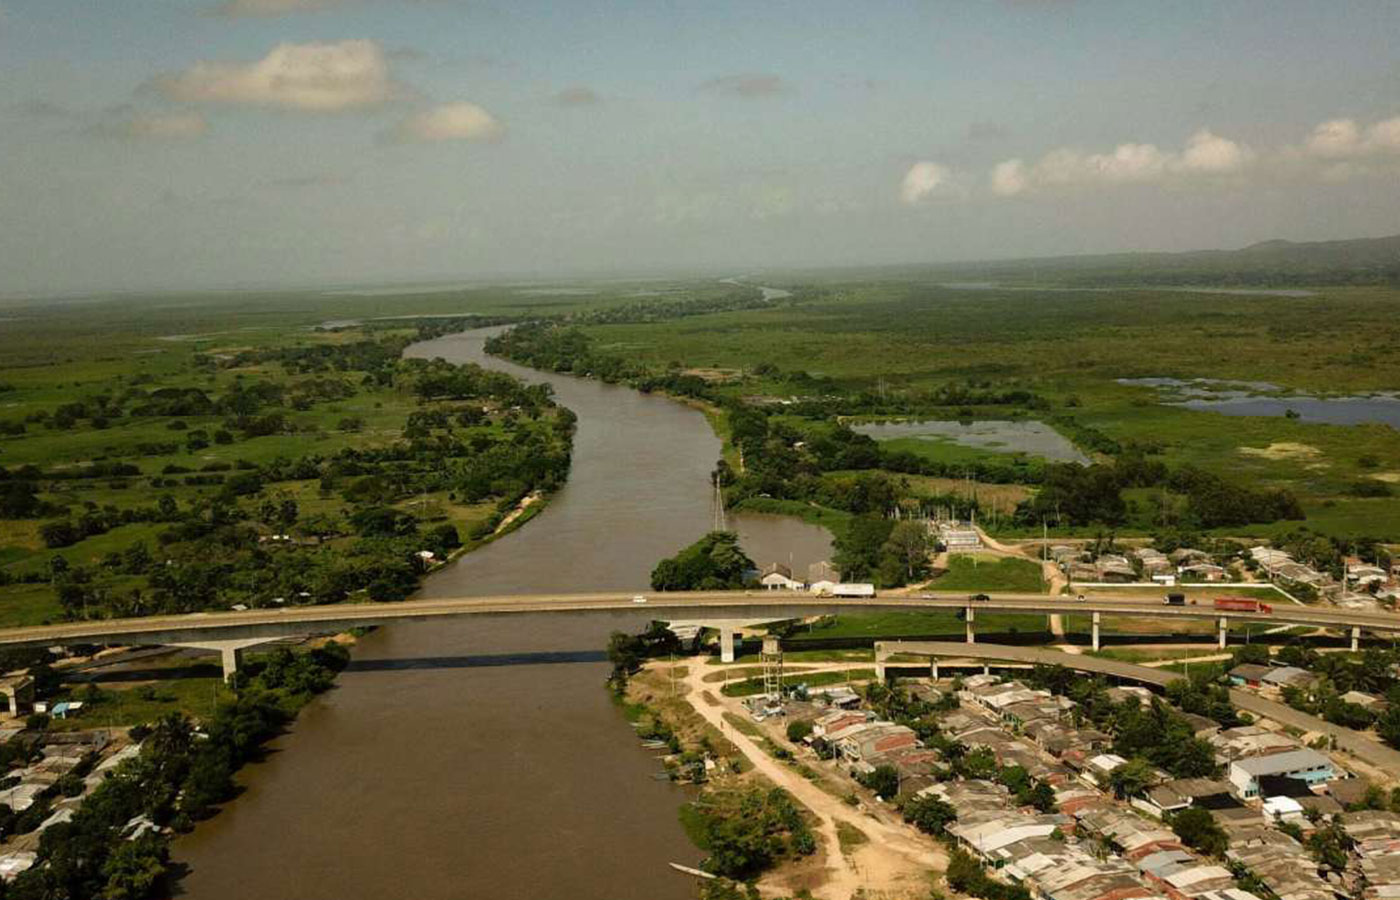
(983, 572)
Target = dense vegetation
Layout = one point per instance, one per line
(247, 478)
(716, 562)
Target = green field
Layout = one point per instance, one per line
(981, 572)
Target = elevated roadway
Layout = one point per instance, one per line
(231, 631)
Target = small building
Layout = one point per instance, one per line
(1305, 765)
(1290, 676)
(778, 577)
(1249, 674)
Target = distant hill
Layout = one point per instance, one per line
(1267, 263)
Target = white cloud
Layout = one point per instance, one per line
(310, 77)
(155, 126)
(577, 96)
(450, 122)
(1205, 154)
(1345, 139)
(1009, 178)
(1210, 154)
(272, 7)
(924, 179)
(1337, 138)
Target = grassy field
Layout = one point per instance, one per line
(906, 335)
(982, 572)
(896, 624)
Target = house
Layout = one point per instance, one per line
(1249, 740)
(1283, 809)
(778, 577)
(1364, 700)
(1202, 572)
(1249, 674)
(836, 721)
(1307, 766)
(1290, 676)
(1098, 768)
(874, 740)
(823, 571)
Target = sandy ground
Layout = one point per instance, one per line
(896, 860)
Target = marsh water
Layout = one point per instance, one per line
(1260, 398)
(482, 757)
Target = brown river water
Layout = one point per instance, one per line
(481, 757)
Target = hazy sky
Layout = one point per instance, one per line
(177, 143)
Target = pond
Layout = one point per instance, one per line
(1260, 398)
(1030, 437)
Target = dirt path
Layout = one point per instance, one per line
(895, 859)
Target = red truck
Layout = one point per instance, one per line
(1242, 604)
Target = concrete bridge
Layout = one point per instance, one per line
(229, 633)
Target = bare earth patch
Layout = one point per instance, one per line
(1288, 450)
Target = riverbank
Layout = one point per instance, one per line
(863, 848)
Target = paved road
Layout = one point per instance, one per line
(697, 606)
(1354, 742)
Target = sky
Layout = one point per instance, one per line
(174, 144)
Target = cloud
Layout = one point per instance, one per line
(1345, 139)
(747, 86)
(239, 8)
(1210, 154)
(1205, 154)
(154, 126)
(924, 179)
(450, 122)
(577, 96)
(1009, 178)
(308, 77)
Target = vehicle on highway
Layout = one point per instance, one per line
(1242, 604)
(980, 598)
(1174, 600)
(639, 599)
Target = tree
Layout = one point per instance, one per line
(905, 553)
(798, 729)
(930, 815)
(884, 781)
(1197, 828)
(715, 562)
(1131, 778)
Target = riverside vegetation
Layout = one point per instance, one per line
(291, 466)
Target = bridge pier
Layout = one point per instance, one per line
(1355, 638)
(1095, 631)
(230, 652)
(1224, 631)
(726, 644)
(933, 668)
(971, 632)
(881, 654)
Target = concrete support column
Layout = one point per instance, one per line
(230, 652)
(933, 668)
(971, 632)
(232, 658)
(881, 654)
(1096, 631)
(1224, 631)
(986, 669)
(726, 644)
(1355, 638)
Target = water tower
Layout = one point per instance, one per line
(772, 657)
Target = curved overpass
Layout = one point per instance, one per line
(718, 606)
(1354, 742)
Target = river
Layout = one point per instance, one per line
(481, 757)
